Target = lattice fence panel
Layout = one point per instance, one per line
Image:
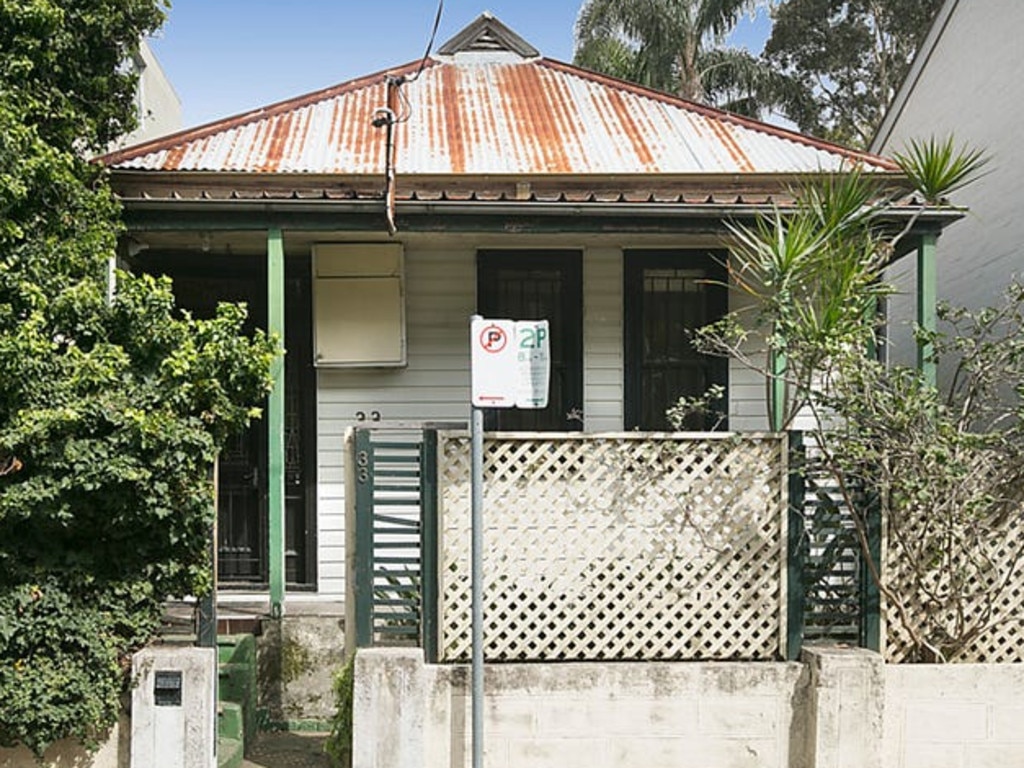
(998, 588)
(621, 547)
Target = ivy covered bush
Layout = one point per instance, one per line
(64, 657)
(113, 404)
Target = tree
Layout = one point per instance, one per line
(675, 46)
(845, 60)
(943, 470)
(62, 62)
(112, 407)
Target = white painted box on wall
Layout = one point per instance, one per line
(358, 305)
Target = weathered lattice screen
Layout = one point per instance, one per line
(617, 547)
(993, 582)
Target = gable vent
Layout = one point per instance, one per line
(485, 42)
(486, 34)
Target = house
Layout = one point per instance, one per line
(368, 221)
(963, 83)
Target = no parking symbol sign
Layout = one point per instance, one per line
(511, 363)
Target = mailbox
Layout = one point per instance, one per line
(167, 688)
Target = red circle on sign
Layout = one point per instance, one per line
(493, 339)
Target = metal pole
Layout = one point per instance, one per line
(477, 576)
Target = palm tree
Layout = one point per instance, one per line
(676, 46)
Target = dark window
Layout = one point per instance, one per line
(539, 285)
(668, 294)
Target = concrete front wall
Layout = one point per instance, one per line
(440, 297)
(954, 716)
(113, 752)
(595, 715)
(298, 657)
(970, 86)
(836, 708)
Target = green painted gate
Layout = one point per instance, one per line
(396, 537)
(831, 596)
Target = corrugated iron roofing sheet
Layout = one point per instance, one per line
(481, 113)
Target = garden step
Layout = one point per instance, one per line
(230, 753)
(230, 721)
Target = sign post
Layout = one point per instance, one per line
(510, 368)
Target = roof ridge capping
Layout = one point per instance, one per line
(486, 34)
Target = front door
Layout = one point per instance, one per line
(242, 545)
(539, 285)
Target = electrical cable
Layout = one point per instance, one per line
(430, 43)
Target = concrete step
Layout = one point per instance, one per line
(239, 648)
(230, 721)
(236, 688)
(230, 753)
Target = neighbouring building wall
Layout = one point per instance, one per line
(440, 297)
(966, 83)
(158, 106)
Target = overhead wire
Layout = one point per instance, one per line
(406, 111)
(430, 42)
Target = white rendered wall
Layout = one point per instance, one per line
(954, 716)
(837, 708)
(112, 752)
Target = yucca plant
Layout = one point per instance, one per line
(937, 167)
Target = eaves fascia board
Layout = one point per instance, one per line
(927, 217)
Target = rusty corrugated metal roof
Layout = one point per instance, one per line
(487, 107)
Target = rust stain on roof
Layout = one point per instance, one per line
(727, 141)
(631, 131)
(452, 133)
(174, 157)
(278, 138)
(532, 113)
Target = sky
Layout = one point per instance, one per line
(224, 57)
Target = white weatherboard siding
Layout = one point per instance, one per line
(602, 340)
(970, 87)
(747, 393)
(440, 298)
